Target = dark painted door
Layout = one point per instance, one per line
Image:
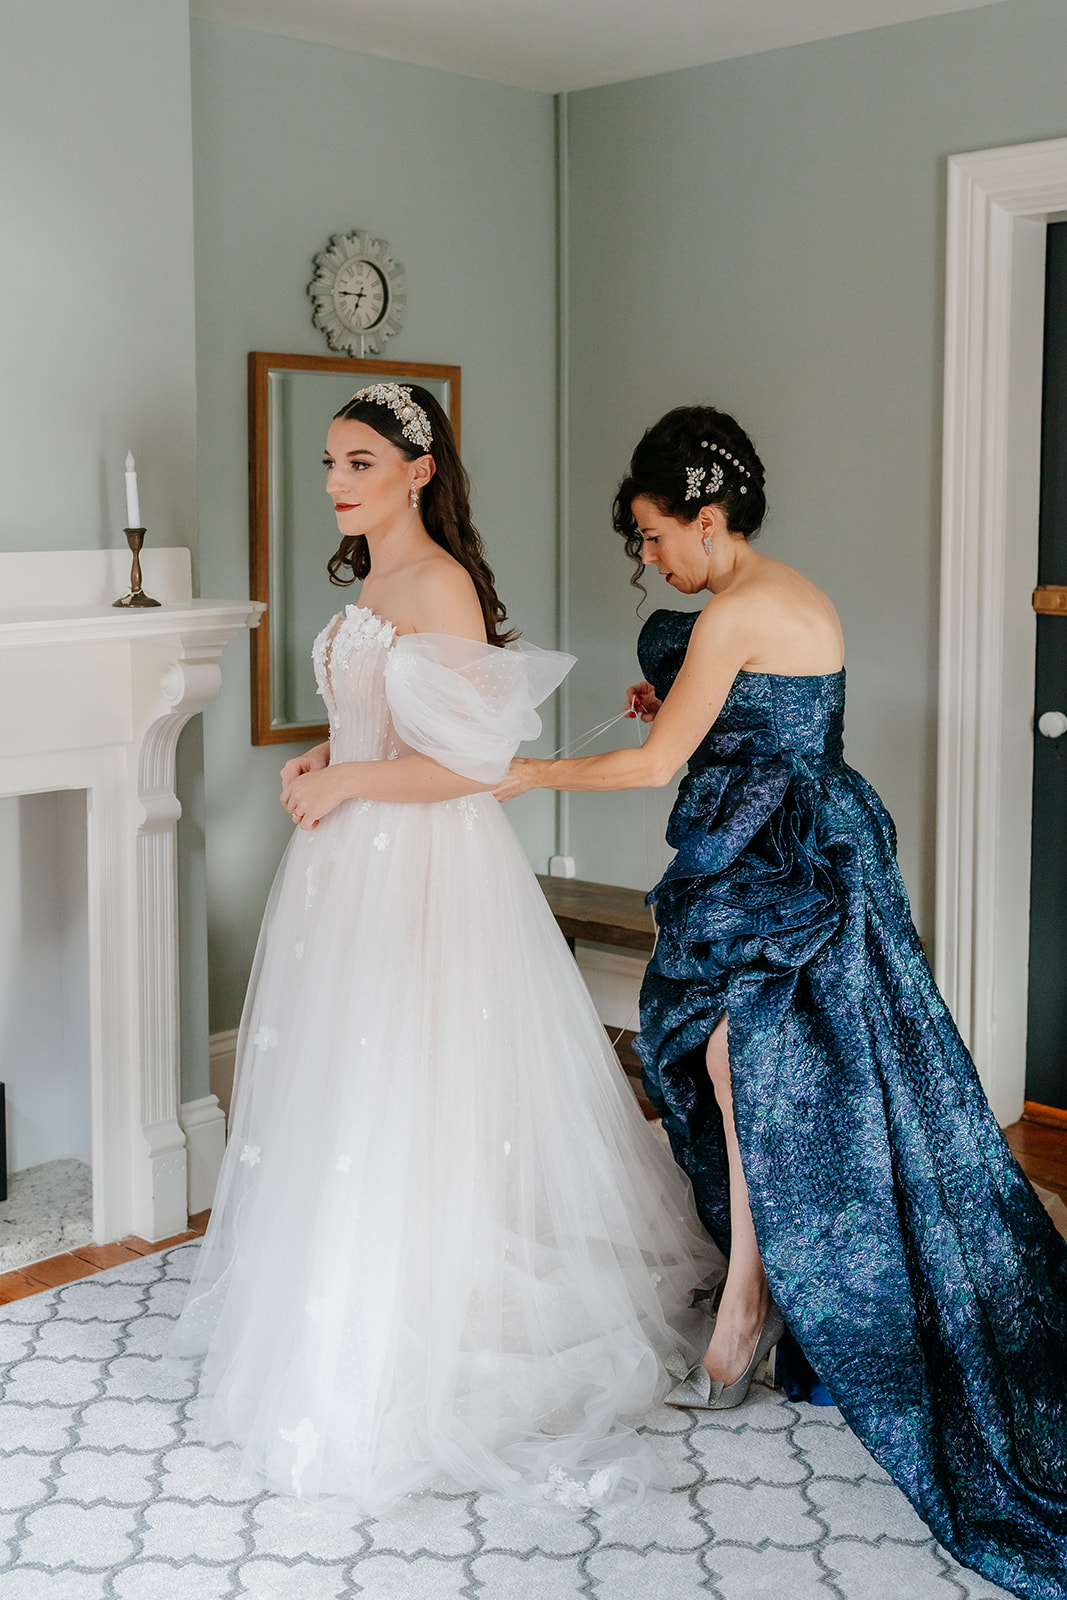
(1046, 1049)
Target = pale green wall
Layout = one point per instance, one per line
(293, 142)
(96, 272)
(767, 235)
(97, 336)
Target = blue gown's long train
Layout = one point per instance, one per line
(908, 1253)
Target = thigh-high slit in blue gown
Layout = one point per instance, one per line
(910, 1257)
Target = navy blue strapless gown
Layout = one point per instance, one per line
(912, 1261)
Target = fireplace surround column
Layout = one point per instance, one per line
(95, 698)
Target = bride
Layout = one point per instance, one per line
(445, 1244)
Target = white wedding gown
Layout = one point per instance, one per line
(445, 1245)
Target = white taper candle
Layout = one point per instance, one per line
(133, 508)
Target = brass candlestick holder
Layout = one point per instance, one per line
(136, 596)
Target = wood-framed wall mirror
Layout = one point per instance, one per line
(293, 533)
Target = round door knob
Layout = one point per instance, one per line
(1053, 724)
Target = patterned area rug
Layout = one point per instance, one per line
(105, 1494)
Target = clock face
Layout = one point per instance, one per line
(360, 294)
(357, 293)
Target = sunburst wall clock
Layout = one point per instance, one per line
(357, 293)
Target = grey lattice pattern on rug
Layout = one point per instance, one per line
(106, 1495)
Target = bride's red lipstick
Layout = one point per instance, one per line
(342, 505)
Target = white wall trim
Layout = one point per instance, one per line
(204, 1125)
(613, 978)
(93, 698)
(999, 202)
(563, 451)
(222, 1059)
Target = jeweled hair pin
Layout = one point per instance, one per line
(713, 488)
(415, 424)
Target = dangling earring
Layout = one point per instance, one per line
(414, 498)
(707, 544)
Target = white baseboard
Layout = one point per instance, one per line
(204, 1124)
(613, 978)
(222, 1055)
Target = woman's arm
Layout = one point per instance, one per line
(413, 779)
(718, 648)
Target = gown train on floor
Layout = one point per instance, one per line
(914, 1265)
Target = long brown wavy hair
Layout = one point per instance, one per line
(445, 505)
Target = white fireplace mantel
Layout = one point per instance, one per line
(95, 698)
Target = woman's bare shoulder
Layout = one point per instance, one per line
(787, 623)
(442, 598)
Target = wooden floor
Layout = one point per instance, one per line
(1040, 1151)
(1042, 1154)
(89, 1259)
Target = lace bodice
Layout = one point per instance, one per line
(466, 704)
(350, 656)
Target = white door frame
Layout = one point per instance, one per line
(999, 204)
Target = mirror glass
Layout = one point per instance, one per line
(294, 532)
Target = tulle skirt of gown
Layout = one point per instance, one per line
(445, 1243)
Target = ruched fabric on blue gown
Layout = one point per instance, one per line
(912, 1261)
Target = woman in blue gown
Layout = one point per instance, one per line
(810, 1077)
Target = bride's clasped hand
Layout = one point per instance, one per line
(311, 788)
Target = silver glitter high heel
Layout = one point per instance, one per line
(698, 1392)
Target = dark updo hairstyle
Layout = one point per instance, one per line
(677, 446)
(445, 504)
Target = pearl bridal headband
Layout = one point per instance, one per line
(415, 422)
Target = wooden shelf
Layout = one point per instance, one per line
(600, 913)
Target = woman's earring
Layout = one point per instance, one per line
(414, 498)
(707, 544)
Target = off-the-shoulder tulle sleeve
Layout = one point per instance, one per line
(469, 705)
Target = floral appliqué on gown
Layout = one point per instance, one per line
(445, 1245)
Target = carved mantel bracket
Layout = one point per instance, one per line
(96, 698)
